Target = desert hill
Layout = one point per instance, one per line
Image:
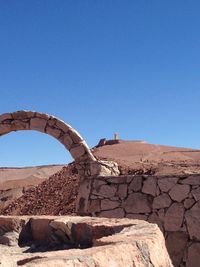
(38, 172)
(14, 181)
(163, 160)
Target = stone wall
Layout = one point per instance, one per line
(173, 203)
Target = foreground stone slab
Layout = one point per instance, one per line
(80, 241)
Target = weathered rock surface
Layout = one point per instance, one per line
(193, 221)
(137, 203)
(95, 241)
(150, 186)
(166, 184)
(174, 217)
(176, 243)
(179, 192)
(193, 255)
(161, 201)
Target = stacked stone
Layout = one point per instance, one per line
(64, 133)
(86, 163)
(52, 241)
(173, 203)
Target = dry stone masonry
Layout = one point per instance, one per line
(64, 133)
(80, 241)
(173, 203)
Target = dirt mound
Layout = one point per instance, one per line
(55, 196)
(135, 157)
(14, 181)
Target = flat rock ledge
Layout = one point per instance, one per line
(80, 242)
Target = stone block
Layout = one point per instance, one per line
(66, 141)
(39, 228)
(38, 124)
(196, 194)
(53, 132)
(19, 125)
(42, 116)
(9, 224)
(75, 136)
(179, 192)
(52, 122)
(63, 126)
(192, 217)
(9, 239)
(191, 180)
(122, 191)
(94, 206)
(104, 168)
(5, 116)
(158, 192)
(108, 243)
(137, 203)
(5, 128)
(97, 183)
(193, 255)
(115, 213)
(188, 203)
(136, 184)
(165, 184)
(107, 191)
(77, 151)
(107, 204)
(83, 196)
(109, 167)
(162, 201)
(23, 114)
(149, 186)
(176, 243)
(117, 180)
(174, 217)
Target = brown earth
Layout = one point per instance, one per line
(57, 195)
(136, 156)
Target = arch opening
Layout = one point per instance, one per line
(64, 133)
(32, 148)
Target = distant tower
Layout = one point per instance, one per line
(116, 136)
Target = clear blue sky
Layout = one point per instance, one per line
(125, 66)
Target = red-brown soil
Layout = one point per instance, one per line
(14, 181)
(55, 196)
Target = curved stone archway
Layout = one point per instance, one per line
(86, 163)
(64, 133)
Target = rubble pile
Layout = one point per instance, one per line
(55, 196)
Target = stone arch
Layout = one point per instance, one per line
(64, 133)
